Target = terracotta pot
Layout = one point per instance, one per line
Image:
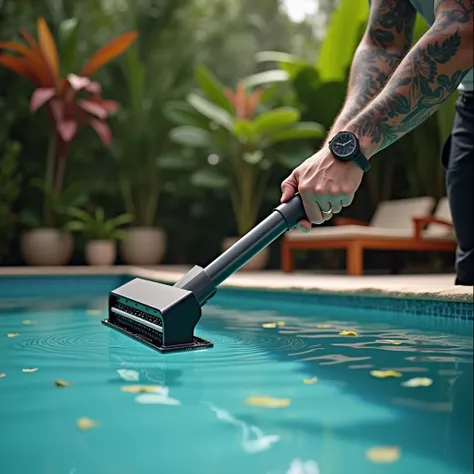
(259, 262)
(144, 246)
(46, 247)
(101, 252)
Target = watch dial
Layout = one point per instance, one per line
(344, 145)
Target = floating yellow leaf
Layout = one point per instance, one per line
(382, 374)
(268, 402)
(29, 371)
(14, 334)
(310, 381)
(94, 312)
(281, 323)
(383, 454)
(2, 375)
(418, 382)
(390, 341)
(61, 383)
(29, 321)
(141, 388)
(324, 326)
(269, 325)
(86, 423)
(348, 333)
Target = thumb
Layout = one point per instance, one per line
(288, 188)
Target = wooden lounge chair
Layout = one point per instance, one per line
(403, 224)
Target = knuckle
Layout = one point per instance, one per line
(305, 188)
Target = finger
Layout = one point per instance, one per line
(336, 205)
(288, 188)
(325, 205)
(304, 226)
(311, 207)
(346, 199)
(323, 201)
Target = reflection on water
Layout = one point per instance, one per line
(197, 421)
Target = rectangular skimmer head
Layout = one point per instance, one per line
(158, 315)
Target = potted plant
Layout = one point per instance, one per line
(145, 154)
(238, 132)
(72, 102)
(101, 234)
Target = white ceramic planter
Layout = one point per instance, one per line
(259, 262)
(101, 252)
(144, 246)
(46, 247)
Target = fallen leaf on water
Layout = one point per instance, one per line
(418, 382)
(281, 323)
(382, 374)
(129, 375)
(269, 325)
(310, 381)
(156, 399)
(348, 333)
(29, 321)
(2, 375)
(94, 312)
(61, 383)
(267, 402)
(142, 388)
(390, 341)
(86, 423)
(324, 326)
(14, 334)
(29, 371)
(383, 454)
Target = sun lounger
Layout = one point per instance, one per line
(403, 224)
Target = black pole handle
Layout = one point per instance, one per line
(292, 211)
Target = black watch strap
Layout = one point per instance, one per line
(362, 161)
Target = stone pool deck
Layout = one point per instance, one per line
(437, 287)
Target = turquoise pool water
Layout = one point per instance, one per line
(198, 421)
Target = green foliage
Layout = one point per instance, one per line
(9, 192)
(94, 226)
(240, 140)
(76, 194)
(148, 79)
(341, 41)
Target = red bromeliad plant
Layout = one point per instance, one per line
(243, 101)
(73, 101)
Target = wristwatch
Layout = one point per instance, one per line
(345, 146)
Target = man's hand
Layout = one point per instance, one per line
(325, 184)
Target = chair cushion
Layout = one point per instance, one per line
(399, 213)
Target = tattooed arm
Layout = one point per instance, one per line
(425, 78)
(387, 39)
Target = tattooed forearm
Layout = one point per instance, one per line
(388, 38)
(450, 11)
(424, 80)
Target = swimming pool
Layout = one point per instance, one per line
(282, 392)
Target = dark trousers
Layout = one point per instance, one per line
(458, 160)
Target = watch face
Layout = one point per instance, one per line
(344, 145)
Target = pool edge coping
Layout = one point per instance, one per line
(451, 294)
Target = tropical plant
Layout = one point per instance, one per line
(95, 226)
(73, 101)
(9, 191)
(238, 135)
(157, 69)
(74, 195)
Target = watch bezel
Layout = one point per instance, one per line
(347, 157)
